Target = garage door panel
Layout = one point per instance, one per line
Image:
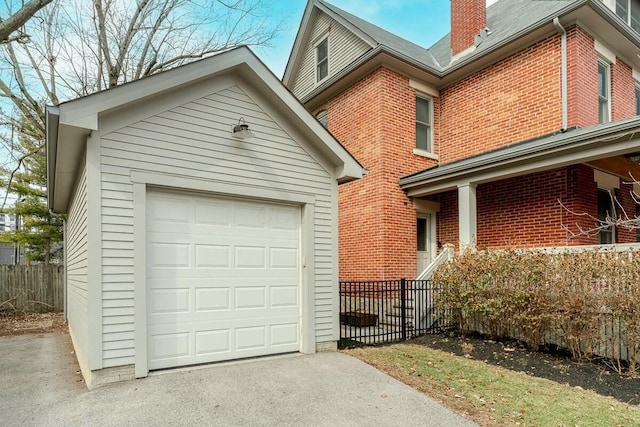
(169, 255)
(223, 279)
(212, 299)
(284, 334)
(170, 345)
(283, 296)
(212, 256)
(213, 342)
(250, 257)
(213, 214)
(169, 301)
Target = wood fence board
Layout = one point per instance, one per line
(35, 288)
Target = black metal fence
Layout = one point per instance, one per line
(385, 311)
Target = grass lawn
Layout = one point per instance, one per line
(494, 396)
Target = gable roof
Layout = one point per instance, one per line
(577, 145)
(69, 123)
(507, 20)
(383, 37)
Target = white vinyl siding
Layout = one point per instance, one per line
(194, 141)
(76, 265)
(344, 47)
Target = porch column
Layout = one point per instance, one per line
(467, 215)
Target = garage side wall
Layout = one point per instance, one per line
(193, 142)
(76, 266)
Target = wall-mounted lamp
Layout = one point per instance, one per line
(241, 130)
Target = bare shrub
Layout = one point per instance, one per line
(563, 298)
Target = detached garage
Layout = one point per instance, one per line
(201, 219)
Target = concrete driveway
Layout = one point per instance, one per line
(40, 385)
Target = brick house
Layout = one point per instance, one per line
(480, 139)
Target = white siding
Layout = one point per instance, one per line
(344, 48)
(76, 265)
(194, 141)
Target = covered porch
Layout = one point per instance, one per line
(567, 189)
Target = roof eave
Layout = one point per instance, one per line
(587, 145)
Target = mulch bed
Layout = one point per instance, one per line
(553, 365)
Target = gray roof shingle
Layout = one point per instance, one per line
(505, 19)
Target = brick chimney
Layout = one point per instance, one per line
(468, 17)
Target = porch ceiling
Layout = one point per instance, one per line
(605, 144)
(618, 165)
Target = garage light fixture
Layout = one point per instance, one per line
(241, 130)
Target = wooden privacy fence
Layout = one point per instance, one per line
(31, 288)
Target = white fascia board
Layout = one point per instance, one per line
(348, 25)
(523, 166)
(298, 44)
(84, 112)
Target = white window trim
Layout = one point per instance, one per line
(609, 183)
(608, 81)
(323, 115)
(605, 53)
(636, 90)
(315, 58)
(425, 153)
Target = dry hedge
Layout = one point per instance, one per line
(540, 298)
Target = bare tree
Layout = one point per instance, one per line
(76, 48)
(13, 22)
(619, 218)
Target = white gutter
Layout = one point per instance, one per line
(563, 44)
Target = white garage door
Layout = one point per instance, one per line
(223, 279)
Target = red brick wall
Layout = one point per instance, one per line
(447, 219)
(468, 17)
(526, 211)
(522, 211)
(375, 120)
(513, 100)
(581, 200)
(623, 95)
(628, 210)
(582, 76)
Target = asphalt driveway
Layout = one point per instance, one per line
(40, 385)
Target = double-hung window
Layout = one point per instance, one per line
(604, 92)
(637, 99)
(629, 11)
(322, 60)
(423, 124)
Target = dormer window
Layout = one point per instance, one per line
(322, 60)
(629, 11)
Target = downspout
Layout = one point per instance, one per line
(563, 44)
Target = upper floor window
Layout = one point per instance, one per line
(322, 60)
(629, 11)
(603, 92)
(423, 124)
(323, 118)
(637, 100)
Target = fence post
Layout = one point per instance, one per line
(403, 307)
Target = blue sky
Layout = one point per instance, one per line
(421, 21)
